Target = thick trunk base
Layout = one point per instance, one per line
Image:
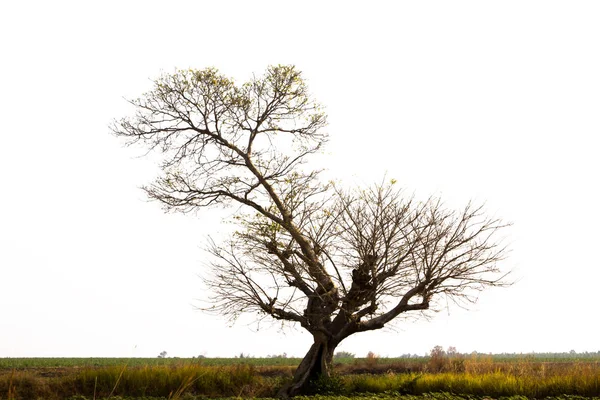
(315, 365)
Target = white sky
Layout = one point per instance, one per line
(492, 101)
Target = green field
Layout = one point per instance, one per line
(468, 377)
(20, 363)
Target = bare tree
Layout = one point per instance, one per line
(332, 261)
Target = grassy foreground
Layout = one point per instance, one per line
(465, 378)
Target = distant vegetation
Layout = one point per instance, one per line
(343, 354)
(343, 357)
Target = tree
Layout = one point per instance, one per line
(333, 261)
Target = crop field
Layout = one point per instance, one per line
(429, 378)
(21, 363)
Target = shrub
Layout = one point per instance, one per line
(327, 385)
(372, 358)
(437, 359)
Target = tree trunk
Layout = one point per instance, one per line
(316, 363)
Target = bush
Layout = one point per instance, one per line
(437, 359)
(327, 385)
(372, 358)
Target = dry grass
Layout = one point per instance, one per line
(483, 377)
(465, 376)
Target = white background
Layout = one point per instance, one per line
(492, 101)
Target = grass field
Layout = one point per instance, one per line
(19, 363)
(9, 363)
(173, 378)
